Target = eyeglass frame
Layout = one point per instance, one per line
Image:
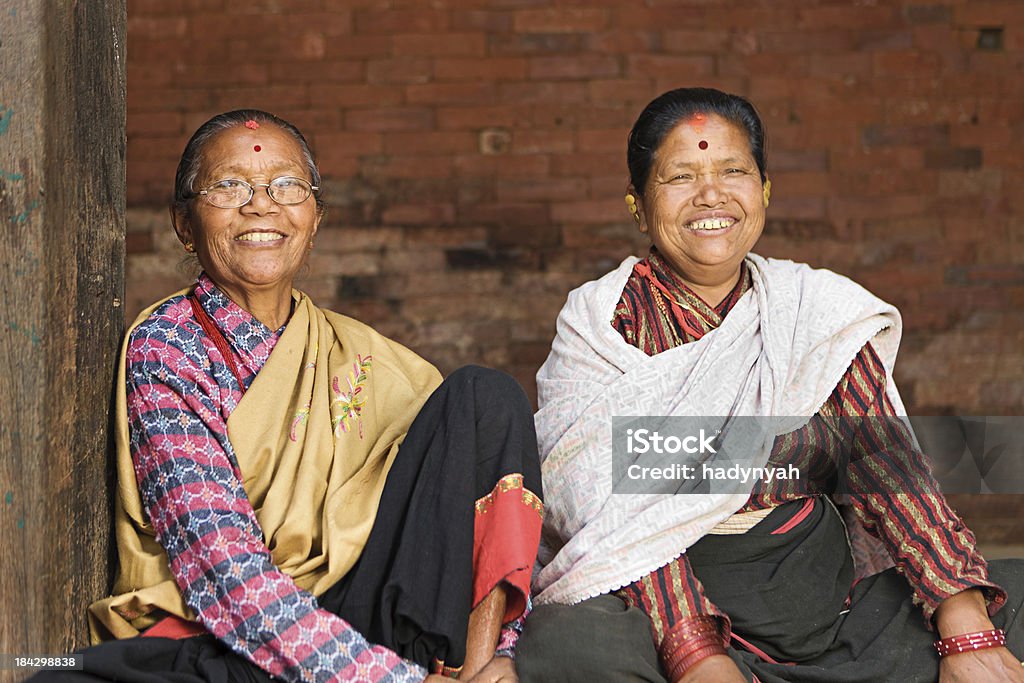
(205, 192)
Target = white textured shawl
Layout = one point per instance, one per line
(780, 351)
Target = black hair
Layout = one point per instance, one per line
(191, 158)
(667, 111)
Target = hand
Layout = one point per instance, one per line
(436, 678)
(714, 669)
(498, 670)
(995, 665)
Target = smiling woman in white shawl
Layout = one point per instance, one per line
(757, 582)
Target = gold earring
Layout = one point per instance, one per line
(631, 203)
(767, 191)
(310, 242)
(190, 248)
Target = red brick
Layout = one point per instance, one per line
(476, 117)
(696, 41)
(561, 20)
(804, 41)
(581, 162)
(903, 63)
(330, 145)
(155, 123)
(408, 167)
(271, 98)
(429, 142)
(419, 214)
(574, 67)
(533, 141)
(242, 75)
(502, 166)
(847, 17)
(621, 41)
(450, 93)
(542, 91)
(621, 91)
(141, 28)
(490, 69)
(994, 13)
(397, 118)
(360, 47)
(321, 71)
(369, 21)
(402, 70)
(481, 20)
(153, 148)
(679, 68)
(442, 44)
(505, 44)
(554, 189)
(446, 237)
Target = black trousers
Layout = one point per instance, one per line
(412, 588)
(785, 594)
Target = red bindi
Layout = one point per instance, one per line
(257, 148)
(703, 144)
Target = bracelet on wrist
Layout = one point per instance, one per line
(968, 642)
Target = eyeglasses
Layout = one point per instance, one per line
(232, 193)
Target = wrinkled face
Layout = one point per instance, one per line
(703, 206)
(261, 245)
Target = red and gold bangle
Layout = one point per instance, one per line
(968, 642)
(691, 641)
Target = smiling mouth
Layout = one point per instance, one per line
(260, 237)
(708, 224)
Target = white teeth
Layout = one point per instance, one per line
(259, 237)
(710, 224)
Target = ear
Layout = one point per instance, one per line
(636, 208)
(182, 225)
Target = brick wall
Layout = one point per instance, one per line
(473, 154)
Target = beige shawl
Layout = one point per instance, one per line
(315, 436)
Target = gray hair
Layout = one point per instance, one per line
(192, 157)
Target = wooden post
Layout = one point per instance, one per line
(62, 203)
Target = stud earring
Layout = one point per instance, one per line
(767, 191)
(190, 248)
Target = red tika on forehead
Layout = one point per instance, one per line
(256, 148)
(703, 144)
(697, 122)
(252, 125)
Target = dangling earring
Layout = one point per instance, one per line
(767, 191)
(190, 248)
(310, 242)
(631, 203)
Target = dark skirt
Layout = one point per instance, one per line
(787, 594)
(412, 588)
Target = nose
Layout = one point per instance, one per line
(260, 203)
(710, 191)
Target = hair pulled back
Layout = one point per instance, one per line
(192, 157)
(667, 111)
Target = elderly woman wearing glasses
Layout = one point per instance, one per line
(299, 497)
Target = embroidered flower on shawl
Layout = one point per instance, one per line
(347, 406)
(301, 415)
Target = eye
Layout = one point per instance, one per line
(682, 177)
(228, 184)
(286, 182)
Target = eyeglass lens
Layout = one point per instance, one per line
(232, 193)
